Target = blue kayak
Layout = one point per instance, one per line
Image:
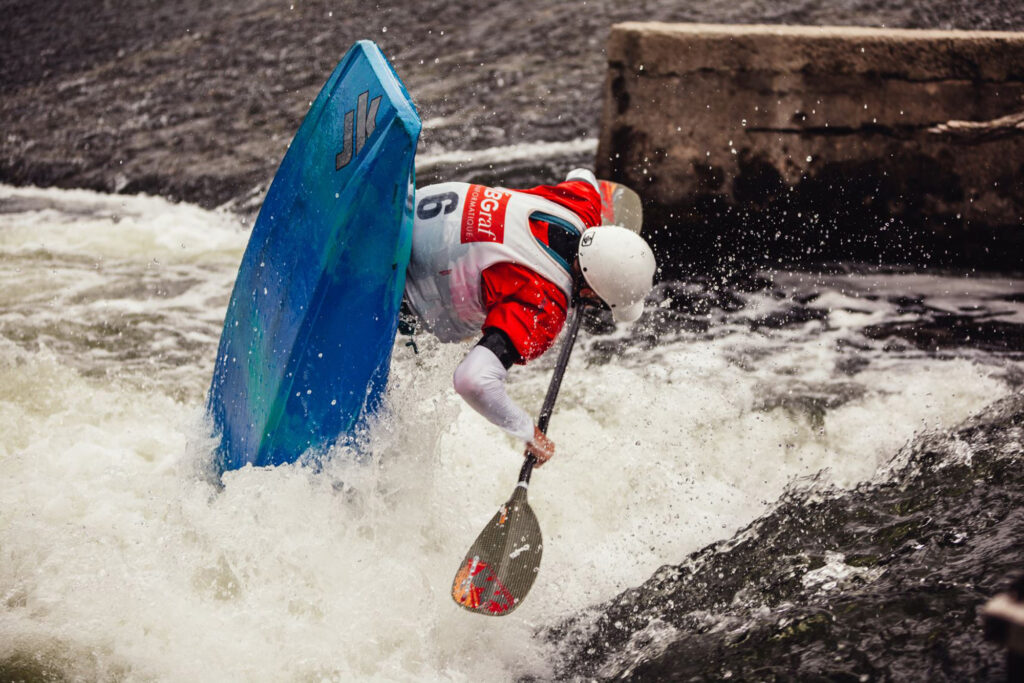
(306, 347)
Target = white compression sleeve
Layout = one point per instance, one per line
(585, 175)
(480, 380)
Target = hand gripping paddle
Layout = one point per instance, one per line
(500, 567)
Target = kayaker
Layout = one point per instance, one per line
(507, 265)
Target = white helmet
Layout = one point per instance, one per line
(619, 266)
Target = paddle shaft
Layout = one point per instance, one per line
(556, 384)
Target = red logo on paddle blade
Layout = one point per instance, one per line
(607, 202)
(477, 587)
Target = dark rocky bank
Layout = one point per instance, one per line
(881, 583)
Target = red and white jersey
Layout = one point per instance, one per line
(462, 231)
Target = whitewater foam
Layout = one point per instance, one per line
(120, 559)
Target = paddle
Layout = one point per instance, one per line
(621, 206)
(500, 567)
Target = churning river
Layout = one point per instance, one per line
(121, 560)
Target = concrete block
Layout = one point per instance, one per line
(784, 144)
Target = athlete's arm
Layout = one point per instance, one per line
(586, 175)
(480, 380)
(524, 315)
(578, 192)
(527, 308)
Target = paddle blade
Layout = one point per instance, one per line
(500, 568)
(621, 206)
